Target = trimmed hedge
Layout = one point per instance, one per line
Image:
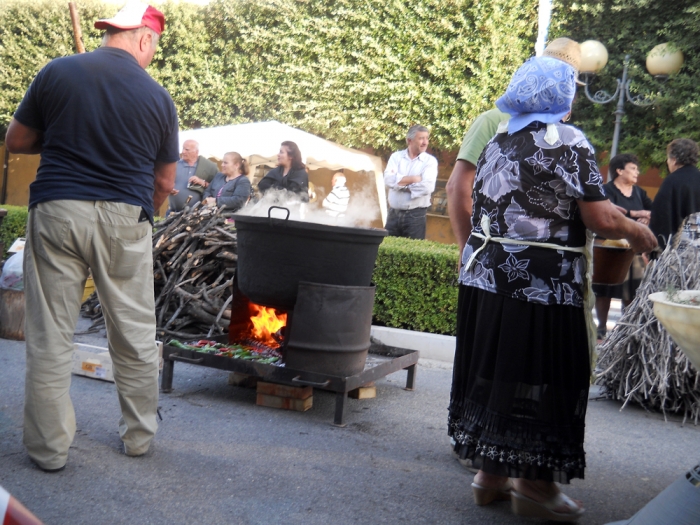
(14, 225)
(358, 73)
(417, 285)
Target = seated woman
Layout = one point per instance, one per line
(290, 173)
(230, 187)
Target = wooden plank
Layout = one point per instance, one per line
(242, 380)
(295, 392)
(12, 314)
(368, 391)
(287, 403)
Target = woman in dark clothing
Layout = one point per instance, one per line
(679, 195)
(290, 173)
(230, 187)
(623, 191)
(524, 330)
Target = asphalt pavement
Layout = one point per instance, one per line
(220, 459)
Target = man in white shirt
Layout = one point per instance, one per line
(410, 176)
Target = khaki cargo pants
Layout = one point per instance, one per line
(65, 238)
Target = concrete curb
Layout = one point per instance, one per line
(433, 347)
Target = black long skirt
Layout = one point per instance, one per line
(520, 387)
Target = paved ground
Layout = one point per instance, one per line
(219, 459)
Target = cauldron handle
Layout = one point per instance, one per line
(298, 379)
(279, 208)
(178, 357)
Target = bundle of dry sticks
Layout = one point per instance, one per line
(638, 361)
(194, 260)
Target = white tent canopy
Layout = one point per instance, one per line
(263, 139)
(259, 143)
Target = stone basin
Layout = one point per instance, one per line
(681, 321)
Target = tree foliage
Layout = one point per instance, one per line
(355, 71)
(32, 34)
(634, 27)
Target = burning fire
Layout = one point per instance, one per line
(266, 323)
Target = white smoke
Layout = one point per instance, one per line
(362, 209)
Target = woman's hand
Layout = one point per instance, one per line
(210, 201)
(643, 216)
(605, 219)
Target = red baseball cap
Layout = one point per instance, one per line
(134, 15)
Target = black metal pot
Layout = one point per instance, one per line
(330, 329)
(274, 255)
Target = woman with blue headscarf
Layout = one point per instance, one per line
(525, 333)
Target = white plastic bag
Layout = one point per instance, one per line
(12, 276)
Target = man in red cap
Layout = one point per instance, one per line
(108, 138)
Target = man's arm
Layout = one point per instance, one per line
(391, 173)
(459, 200)
(205, 172)
(603, 218)
(164, 182)
(409, 179)
(425, 185)
(23, 139)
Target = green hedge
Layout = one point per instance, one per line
(14, 225)
(416, 285)
(355, 72)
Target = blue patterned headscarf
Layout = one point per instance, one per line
(542, 90)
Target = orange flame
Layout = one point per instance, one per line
(266, 321)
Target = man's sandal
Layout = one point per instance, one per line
(524, 506)
(484, 496)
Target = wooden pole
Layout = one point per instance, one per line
(77, 33)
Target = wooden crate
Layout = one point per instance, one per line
(12, 314)
(368, 391)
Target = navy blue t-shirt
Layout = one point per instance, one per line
(105, 123)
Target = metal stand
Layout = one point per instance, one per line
(623, 89)
(381, 361)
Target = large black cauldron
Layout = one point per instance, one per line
(275, 254)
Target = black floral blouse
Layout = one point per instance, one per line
(528, 189)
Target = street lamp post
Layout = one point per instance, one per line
(661, 62)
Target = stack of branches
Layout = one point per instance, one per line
(638, 361)
(194, 261)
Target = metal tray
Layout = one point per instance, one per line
(382, 360)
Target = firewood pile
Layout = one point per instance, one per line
(638, 361)
(194, 260)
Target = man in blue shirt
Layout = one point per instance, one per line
(193, 174)
(108, 138)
